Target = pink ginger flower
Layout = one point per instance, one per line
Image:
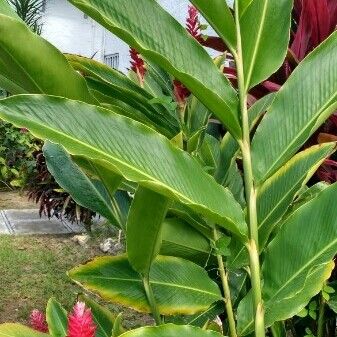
(137, 65)
(80, 322)
(38, 321)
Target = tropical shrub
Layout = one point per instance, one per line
(202, 239)
(17, 164)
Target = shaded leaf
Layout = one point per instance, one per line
(144, 227)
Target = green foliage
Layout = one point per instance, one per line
(17, 163)
(219, 188)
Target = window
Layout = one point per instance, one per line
(112, 60)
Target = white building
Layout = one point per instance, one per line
(71, 31)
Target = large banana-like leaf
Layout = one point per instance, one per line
(265, 33)
(288, 307)
(86, 192)
(128, 147)
(171, 330)
(18, 330)
(308, 239)
(57, 319)
(136, 22)
(23, 70)
(144, 227)
(220, 18)
(117, 86)
(182, 240)
(103, 318)
(304, 102)
(179, 286)
(276, 194)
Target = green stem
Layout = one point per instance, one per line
(321, 312)
(226, 290)
(250, 191)
(152, 301)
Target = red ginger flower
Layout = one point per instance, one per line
(193, 23)
(38, 321)
(80, 322)
(193, 27)
(137, 64)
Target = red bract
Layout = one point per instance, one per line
(137, 64)
(180, 92)
(193, 27)
(193, 23)
(37, 321)
(80, 322)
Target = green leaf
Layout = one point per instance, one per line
(103, 318)
(143, 228)
(332, 303)
(315, 224)
(277, 193)
(136, 22)
(171, 330)
(304, 102)
(24, 71)
(287, 307)
(7, 10)
(113, 85)
(199, 319)
(18, 330)
(220, 18)
(179, 286)
(118, 328)
(182, 240)
(57, 320)
(265, 33)
(85, 191)
(132, 149)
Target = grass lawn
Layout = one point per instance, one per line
(32, 269)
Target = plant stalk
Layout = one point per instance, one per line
(152, 301)
(226, 290)
(320, 323)
(250, 191)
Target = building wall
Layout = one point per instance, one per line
(72, 32)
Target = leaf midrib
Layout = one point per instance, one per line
(165, 284)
